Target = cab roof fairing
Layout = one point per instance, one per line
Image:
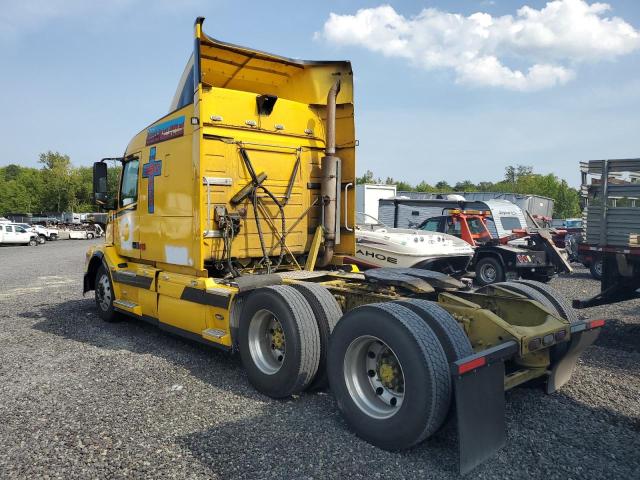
(226, 65)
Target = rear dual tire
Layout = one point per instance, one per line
(553, 301)
(327, 313)
(389, 375)
(279, 341)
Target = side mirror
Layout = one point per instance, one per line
(100, 182)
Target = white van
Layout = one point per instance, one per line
(10, 233)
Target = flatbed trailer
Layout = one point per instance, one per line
(231, 227)
(611, 196)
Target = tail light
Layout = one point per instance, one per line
(534, 343)
(561, 335)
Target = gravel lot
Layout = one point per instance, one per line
(81, 398)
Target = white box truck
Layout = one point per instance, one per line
(367, 198)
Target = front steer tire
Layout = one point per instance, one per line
(279, 341)
(389, 327)
(104, 296)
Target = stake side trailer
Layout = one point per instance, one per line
(611, 228)
(233, 217)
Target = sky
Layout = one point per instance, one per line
(445, 90)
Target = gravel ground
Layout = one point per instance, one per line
(80, 398)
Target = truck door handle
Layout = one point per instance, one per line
(346, 207)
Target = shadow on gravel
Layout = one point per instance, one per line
(306, 437)
(583, 275)
(620, 335)
(284, 441)
(77, 320)
(546, 434)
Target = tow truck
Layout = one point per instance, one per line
(527, 253)
(230, 227)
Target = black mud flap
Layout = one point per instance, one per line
(86, 284)
(478, 382)
(583, 334)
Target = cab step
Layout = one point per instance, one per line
(128, 306)
(217, 336)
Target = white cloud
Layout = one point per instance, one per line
(550, 41)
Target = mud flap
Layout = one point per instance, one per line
(478, 382)
(86, 284)
(583, 334)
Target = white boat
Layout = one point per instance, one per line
(380, 246)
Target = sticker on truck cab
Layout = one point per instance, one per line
(166, 130)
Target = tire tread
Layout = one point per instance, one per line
(307, 329)
(559, 302)
(434, 355)
(454, 341)
(327, 313)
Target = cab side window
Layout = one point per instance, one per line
(453, 227)
(9, 228)
(129, 186)
(431, 225)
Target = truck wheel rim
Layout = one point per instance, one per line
(598, 267)
(267, 343)
(488, 273)
(374, 377)
(103, 293)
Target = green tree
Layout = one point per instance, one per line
(424, 187)
(404, 186)
(465, 186)
(366, 178)
(59, 195)
(443, 186)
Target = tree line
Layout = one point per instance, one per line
(57, 186)
(517, 179)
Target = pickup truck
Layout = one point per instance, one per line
(44, 233)
(13, 234)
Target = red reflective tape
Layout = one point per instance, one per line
(471, 364)
(596, 323)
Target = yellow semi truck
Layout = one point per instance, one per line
(231, 223)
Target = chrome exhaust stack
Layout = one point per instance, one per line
(330, 166)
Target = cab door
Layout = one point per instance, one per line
(126, 231)
(22, 235)
(10, 236)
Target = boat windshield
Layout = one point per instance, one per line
(368, 222)
(574, 223)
